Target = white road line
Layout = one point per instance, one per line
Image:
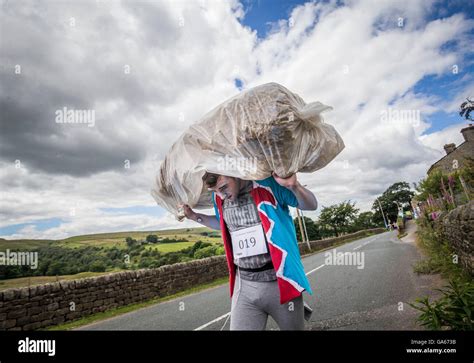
(363, 244)
(213, 321)
(317, 268)
(225, 315)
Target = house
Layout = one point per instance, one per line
(456, 156)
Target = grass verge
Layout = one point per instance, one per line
(454, 310)
(439, 256)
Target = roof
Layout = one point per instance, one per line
(455, 150)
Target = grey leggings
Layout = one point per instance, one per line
(253, 301)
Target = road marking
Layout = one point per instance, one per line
(308, 273)
(213, 321)
(317, 268)
(363, 244)
(225, 315)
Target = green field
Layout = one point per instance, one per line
(22, 244)
(106, 240)
(170, 247)
(117, 239)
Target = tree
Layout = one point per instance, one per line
(208, 251)
(397, 193)
(152, 238)
(311, 228)
(130, 242)
(97, 266)
(199, 245)
(432, 185)
(338, 216)
(364, 220)
(466, 108)
(55, 268)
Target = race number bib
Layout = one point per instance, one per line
(248, 242)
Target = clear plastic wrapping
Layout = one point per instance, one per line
(264, 129)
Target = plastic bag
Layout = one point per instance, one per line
(264, 129)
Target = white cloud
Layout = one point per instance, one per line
(438, 139)
(183, 58)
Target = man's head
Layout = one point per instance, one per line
(226, 187)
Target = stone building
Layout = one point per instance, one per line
(455, 156)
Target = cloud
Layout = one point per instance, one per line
(437, 140)
(150, 69)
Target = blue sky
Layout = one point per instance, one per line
(261, 16)
(445, 87)
(41, 225)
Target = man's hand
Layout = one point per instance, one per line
(306, 199)
(205, 220)
(188, 212)
(291, 182)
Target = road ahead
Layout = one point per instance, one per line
(344, 296)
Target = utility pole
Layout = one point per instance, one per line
(305, 231)
(304, 226)
(400, 209)
(303, 239)
(301, 226)
(383, 215)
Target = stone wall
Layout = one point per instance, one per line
(457, 228)
(36, 307)
(328, 242)
(39, 306)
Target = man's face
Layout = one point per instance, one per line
(227, 187)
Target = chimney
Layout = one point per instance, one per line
(449, 148)
(468, 133)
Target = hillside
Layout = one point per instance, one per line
(94, 254)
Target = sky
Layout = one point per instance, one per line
(149, 69)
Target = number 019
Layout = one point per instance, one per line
(245, 243)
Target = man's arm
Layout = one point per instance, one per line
(306, 199)
(205, 220)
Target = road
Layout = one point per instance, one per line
(361, 296)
